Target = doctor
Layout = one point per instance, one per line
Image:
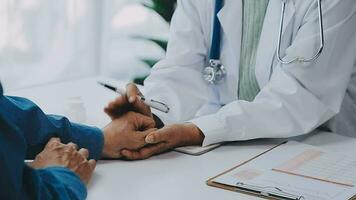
(267, 92)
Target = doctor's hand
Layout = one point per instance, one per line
(126, 132)
(128, 102)
(165, 139)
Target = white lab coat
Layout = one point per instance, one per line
(294, 99)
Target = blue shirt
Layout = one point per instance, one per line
(24, 131)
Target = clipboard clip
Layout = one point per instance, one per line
(273, 192)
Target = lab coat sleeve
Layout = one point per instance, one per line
(38, 128)
(176, 80)
(301, 96)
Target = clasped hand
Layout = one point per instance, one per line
(134, 134)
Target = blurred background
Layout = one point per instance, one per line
(44, 41)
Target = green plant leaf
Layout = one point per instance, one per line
(165, 8)
(150, 62)
(161, 43)
(139, 80)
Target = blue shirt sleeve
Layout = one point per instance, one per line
(25, 130)
(52, 183)
(38, 128)
(19, 181)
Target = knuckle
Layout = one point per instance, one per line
(69, 150)
(84, 150)
(72, 144)
(92, 163)
(130, 86)
(54, 143)
(39, 157)
(54, 139)
(131, 114)
(87, 165)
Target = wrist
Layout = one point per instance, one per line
(196, 136)
(105, 151)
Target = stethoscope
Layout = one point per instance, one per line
(215, 72)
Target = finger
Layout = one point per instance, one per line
(75, 160)
(131, 92)
(92, 164)
(145, 122)
(71, 145)
(145, 152)
(131, 154)
(84, 152)
(140, 138)
(140, 107)
(84, 171)
(155, 149)
(144, 134)
(54, 139)
(118, 102)
(54, 143)
(158, 136)
(118, 107)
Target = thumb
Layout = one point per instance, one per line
(140, 138)
(132, 92)
(157, 136)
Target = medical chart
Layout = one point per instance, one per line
(330, 167)
(300, 158)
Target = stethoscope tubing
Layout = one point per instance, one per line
(216, 69)
(300, 59)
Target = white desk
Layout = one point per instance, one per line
(172, 176)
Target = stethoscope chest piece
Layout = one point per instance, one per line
(215, 72)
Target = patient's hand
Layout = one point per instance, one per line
(126, 132)
(65, 155)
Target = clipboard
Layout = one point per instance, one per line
(211, 182)
(197, 150)
(273, 193)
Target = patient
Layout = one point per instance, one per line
(64, 152)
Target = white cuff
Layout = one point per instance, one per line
(212, 128)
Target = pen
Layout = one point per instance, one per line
(149, 102)
(273, 192)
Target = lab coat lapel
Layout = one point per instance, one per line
(230, 17)
(269, 38)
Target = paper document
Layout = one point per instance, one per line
(330, 167)
(260, 174)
